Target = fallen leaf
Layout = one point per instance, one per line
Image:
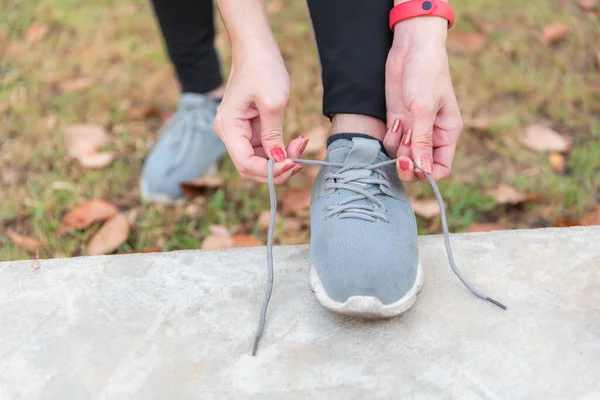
(74, 84)
(588, 5)
(598, 58)
(150, 249)
(489, 227)
(505, 194)
(426, 208)
(35, 32)
(83, 142)
(557, 162)
(296, 199)
(86, 214)
(28, 243)
(591, 218)
(245, 241)
(264, 218)
(541, 138)
(219, 230)
(565, 223)
(142, 111)
(466, 42)
(213, 242)
(111, 235)
(198, 187)
(477, 124)
(554, 32)
(317, 139)
(534, 198)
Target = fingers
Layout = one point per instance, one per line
(271, 125)
(392, 138)
(406, 169)
(422, 139)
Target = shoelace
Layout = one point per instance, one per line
(358, 212)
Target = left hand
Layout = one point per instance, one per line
(420, 96)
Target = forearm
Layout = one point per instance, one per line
(247, 24)
(433, 30)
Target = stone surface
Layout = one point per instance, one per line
(180, 326)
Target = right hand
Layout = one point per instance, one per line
(249, 119)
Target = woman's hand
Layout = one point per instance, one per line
(424, 121)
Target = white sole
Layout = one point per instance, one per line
(367, 306)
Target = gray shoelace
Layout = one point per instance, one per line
(357, 211)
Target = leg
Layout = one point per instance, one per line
(353, 39)
(189, 32)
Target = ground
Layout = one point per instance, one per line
(63, 63)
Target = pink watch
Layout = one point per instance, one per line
(421, 8)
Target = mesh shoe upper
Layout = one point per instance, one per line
(362, 245)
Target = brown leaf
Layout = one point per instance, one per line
(150, 249)
(426, 208)
(588, 5)
(245, 241)
(198, 187)
(554, 32)
(591, 218)
(477, 124)
(219, 230)
(86, 214)
(111, 235)
(74, 84)
(598, 58)
(213, 242)
(489, 227)
(83, 142)
(534, 198)
(565, 223)
(28, 243)
(317, 139)
(296, 199)
(264, 219)
(505, 194)
(36, 32)
(557, 162)
(142, 111)
(541, 138)
(466, 42)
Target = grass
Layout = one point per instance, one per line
(515, 80)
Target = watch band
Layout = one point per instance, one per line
(420, 8)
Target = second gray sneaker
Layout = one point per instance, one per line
(363, 233)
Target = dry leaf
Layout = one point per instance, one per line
(591, 218)
(466, 42)
(111, 235)
(317, 139)
(245, 241)
(86, 214)
(28, 243)
(486, 227)
(554, 32)
(588, 5)
(264, 219)
(534, 198)
(426, 208)
(477, 124)
(35, 32)
(213, 242)
(565, 223)
(557, 162)
(219, 230)
(142, 111)
(74, 84)
(150, 249)
(541, 138)
(198, 187)
(505, 194)
(598, 58)
(296, 199)
(83, 142)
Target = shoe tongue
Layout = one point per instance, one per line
(364, 151)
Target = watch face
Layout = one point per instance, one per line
(427, 5)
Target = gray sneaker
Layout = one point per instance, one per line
(188, 148)
(363, 233)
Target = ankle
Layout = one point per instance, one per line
(357, 123)
(216, 94)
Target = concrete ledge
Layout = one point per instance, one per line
(180, 326)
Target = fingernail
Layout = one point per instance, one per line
(396, 125)
(297, 169)
(278, 154)
(303, 145)
(286, 168)
(403, 165)
(426, 164)
(407, 139)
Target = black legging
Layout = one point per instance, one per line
(352, 36)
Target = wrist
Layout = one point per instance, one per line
(424, 30)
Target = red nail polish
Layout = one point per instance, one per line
(278, 154)
(396, 125)
(404, 165)
(426, 164)
(407, 139)
(286, 168)
(297, 169)
(303, 145)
